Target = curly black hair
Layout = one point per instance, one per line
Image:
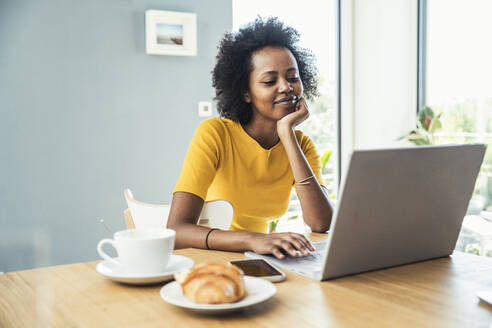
(230, 75)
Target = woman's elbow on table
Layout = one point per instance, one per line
(322, 226)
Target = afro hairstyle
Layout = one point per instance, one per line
(230, 76)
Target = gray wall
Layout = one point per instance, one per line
(85, 113)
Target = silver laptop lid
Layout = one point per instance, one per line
(400, 206)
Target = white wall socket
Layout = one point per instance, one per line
(204, 108)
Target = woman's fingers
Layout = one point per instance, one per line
(277, 253)
(282, 244)
(298, 104)
(287, 246)
(299, 115)
(293, 243)
(303, 110)
(304, 240)
(300, 246)
(302, 105)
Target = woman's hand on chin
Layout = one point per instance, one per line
(279, 244)
(290, 121)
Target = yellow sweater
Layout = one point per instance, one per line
(224, 162)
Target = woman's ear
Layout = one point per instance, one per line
(246, 97)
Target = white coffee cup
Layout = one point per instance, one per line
(140, 251)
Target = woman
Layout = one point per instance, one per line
(252, 156)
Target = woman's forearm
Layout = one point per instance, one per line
(316, 208)
(192, 235)
(278, 244)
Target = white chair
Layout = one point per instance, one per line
(215, 214)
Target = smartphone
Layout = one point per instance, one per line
(259, 268)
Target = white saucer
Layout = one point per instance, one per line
(176, 264)
(259, 290)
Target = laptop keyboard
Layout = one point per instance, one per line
(306, 265)
(314, 258)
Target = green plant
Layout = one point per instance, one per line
(473, 249)
(272, 225)
(294, 217)
(325, 158)
(428, 123)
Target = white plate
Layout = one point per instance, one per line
(176, 264)
(259, 290)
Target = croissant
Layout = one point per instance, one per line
(212, 283)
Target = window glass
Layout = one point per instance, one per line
(459, 83)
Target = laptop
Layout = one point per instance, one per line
(396, 206)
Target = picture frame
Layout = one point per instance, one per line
(170, 33)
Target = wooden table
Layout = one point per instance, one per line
(438, 293)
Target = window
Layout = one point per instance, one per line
(316, 23)
(458, 83)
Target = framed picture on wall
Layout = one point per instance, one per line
(170, 33)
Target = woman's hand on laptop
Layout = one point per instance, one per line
(279, 243)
